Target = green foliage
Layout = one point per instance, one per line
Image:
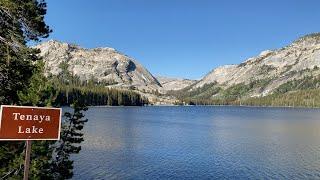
(302, 92)
(206, 91)
(41, 157)
(307, 82)
(235, 91)
(300, 98)
(260, 83)
(99, 95)
(91, 92)
(22, 82)
(71, 135)
(23, 20)
(11, 158)
(15, 73)
(20, 21)
(210, 93)
(40, 91)
(214, 94)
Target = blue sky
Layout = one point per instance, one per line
(183, 38)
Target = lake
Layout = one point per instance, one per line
(200, 142)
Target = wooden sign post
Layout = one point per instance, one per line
(24, 123)
(27, 160)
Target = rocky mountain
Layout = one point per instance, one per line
(269, 70)
(168, 83)
(291, 68)
(103, 64)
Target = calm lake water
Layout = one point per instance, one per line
(200, 143)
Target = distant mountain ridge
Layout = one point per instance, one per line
(173, 84)
(107, 66)
(293, 67)
(271, 68)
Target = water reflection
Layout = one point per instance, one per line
(200, 143)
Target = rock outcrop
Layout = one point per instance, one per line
(295, 61)
(272, 67)
(103, 64)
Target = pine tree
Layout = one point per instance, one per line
(20, 21)
(71, 135)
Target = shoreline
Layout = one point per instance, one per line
(246, 106)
